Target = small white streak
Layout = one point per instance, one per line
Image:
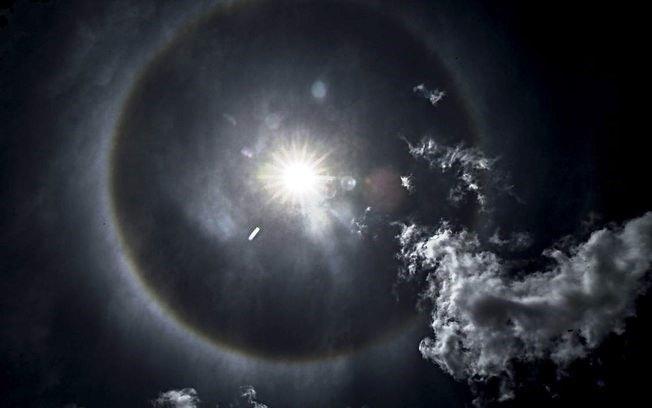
(254, 233)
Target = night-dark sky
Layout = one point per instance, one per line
(337, 203)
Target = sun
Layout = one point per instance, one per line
(296, 175)
(299, 178)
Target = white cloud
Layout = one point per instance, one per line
(184, 398)
(187, 398)
(407, 183)
(249, 394)
(483, 320)
(434, 96)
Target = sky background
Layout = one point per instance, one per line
(133, 136)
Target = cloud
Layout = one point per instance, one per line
(407, 183)
(184, 398)
(434, 96)
(249, 394)
(371, 224)
(484, 321)
(467, 163)
(360, 225)
(516, 241)
(187, 398)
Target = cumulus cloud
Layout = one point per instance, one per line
(469, 164)
(484, 321)
(434, 96)
(184, 398)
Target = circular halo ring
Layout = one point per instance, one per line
(132, 262)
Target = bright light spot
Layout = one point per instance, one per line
(296, 175)
(299, 177)
(348, 183)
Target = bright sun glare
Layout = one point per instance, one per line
(296, 176)
(299, 177)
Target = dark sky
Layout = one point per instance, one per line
(135, 137)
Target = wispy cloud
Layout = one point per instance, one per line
(467, 163)
(516, 241)
(484, 321)
(434, 96)
(249, 394)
